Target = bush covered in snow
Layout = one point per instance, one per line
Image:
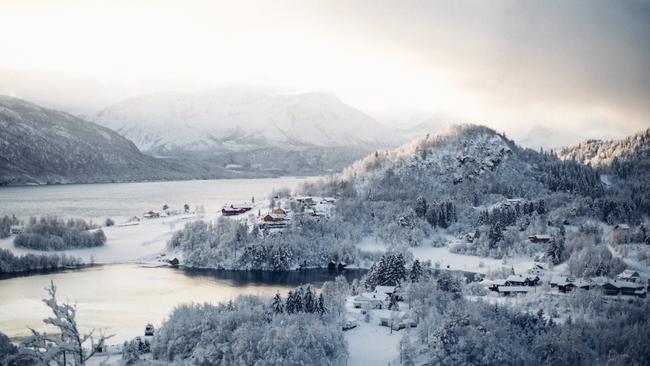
(53, 233)
(10, 263)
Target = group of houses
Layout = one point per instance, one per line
(514, 284)
(627, 282)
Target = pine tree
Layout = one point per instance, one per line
(421, 206)
(416, 271)
(298, 304)
(278, 307)
(320, 305)
(290, 306)
(309, 303)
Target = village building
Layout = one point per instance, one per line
(539, 238)
(236, 209)
(395, 319)
(520, 280)
(369, 300)
(274, 221)
(612, 287)
(629, 275)
(151, 214)
(566, 284)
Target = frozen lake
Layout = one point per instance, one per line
(123, 298)
(123, 200)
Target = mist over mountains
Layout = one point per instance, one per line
(221, 133)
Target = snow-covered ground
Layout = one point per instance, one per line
(369, 343)
(454, 261)
(124, 244)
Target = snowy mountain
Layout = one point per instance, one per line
(460, 156)
(39, 145)
(238, 119)
(598, 153)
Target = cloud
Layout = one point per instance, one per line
(576, 66)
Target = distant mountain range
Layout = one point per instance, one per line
(237, 119)
(238, 133)
(40, 146)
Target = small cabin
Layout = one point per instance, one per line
(629, 275)
(236, 209)
(538, 238)
(151, 215)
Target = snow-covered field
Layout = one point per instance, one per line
(140, 243)
(454, 261)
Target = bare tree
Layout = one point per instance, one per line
(66, 348)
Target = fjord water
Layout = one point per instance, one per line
(123, 200)
(122, 299)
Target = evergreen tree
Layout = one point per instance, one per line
(309, 302)
(421, 206)
(298, 304)
(416, 271)
(278, 307)
(320, 305)
(290, 306)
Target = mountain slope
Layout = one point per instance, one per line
(39, 145)
(233, 119)
(461, 159)
(633, 149)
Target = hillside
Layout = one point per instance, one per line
(630, 155)
(461, 160)
(39, 145)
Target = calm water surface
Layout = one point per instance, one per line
(123, 200)
(123, 298)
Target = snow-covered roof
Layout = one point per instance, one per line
(519, 278)
(516, 288)
(385, 289)
(540, 236)
(367, 296)
(628, 273)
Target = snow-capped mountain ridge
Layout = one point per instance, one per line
(236, 120)
(39, 145)
(458, 152)
(605, 152)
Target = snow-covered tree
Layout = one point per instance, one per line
(70, 346)
(278, 306)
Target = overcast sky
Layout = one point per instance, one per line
(577, 68)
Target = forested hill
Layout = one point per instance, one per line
(469, 177)
(39, 145)
(468, 163)
(624, 157)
